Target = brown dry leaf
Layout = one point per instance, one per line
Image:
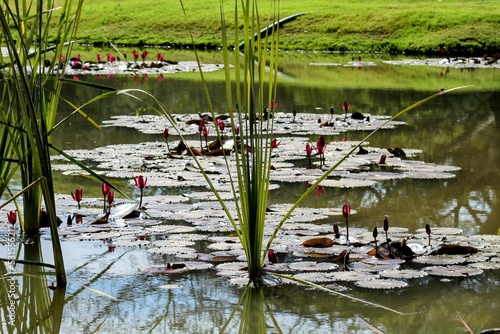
(318, 242)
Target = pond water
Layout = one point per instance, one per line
(107, 292)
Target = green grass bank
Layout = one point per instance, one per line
(458, 27)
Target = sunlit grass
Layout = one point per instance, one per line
(416, 26)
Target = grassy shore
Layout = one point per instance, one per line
(409, 26)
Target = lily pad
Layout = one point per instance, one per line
(312, 266)
(382, 284)
(403, 274)
(350, 276)
(453, 271)
(440, 259)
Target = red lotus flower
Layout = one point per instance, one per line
(322, 141)
(77, 196)
(346, 212)
(273, 104)
(140, 182)
(12, 217)
(271, 255)
(319, 190)
(99, 58)
(345, 107)
(221, 125)
(144, 55)
(275, 143)
(135, 54)
(319, 148)
(105, 188)
(111, 198)
(237, 130)
(308, 150)
(105, 191)
(160, 57)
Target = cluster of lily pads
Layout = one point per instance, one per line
(191, 232)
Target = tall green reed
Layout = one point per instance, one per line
(36, 36)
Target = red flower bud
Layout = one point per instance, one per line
(12, 217)
(105, 188)
(346, 210)
(272, 256)
(140, 181)
(111, 197)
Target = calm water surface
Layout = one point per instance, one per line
(460, 129)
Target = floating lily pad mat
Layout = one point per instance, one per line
(162, 168)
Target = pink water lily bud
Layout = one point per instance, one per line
(12, 217)
(111, 198)
(308, 149)
(271, 255)
(345, 106)
(346, 211)
(78, 196)
(140, 181)
(105, 188)
(275, 143)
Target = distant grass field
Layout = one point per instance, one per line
(410, 26)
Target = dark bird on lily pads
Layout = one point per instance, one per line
(206, 117)
(357, 115)
(362, 151)
(397, 152)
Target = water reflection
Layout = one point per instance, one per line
(26, 295)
